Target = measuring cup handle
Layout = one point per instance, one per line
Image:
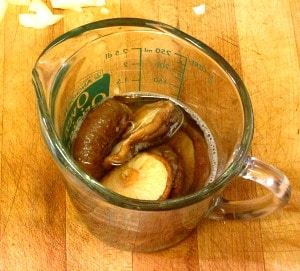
(265, 175)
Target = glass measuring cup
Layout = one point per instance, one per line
(111, 57)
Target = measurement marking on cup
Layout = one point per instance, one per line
(139, 64)
(147, 50)
(182, 63)
(172, 68)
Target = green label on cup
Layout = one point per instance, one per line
(94, 93)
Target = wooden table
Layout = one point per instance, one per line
(39, 229)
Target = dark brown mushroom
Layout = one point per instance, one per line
(99, 132)
(175, 163)
(152, 124)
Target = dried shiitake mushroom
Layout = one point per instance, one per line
(98, 133)
(202, 160)
(191, 147)
(151, 125)
(147, 176)
(184, 147)
(167, 152)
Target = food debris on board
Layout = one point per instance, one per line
(199, 10)
(3, 7)
(43, 16)
(76, 5)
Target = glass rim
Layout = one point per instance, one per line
(64, 159)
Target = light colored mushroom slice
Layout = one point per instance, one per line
(146, 177)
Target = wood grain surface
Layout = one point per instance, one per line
(39, 229)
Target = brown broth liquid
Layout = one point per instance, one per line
(193, 148)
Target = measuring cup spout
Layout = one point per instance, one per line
(57, 58)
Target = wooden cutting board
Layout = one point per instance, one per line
(39, 229)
